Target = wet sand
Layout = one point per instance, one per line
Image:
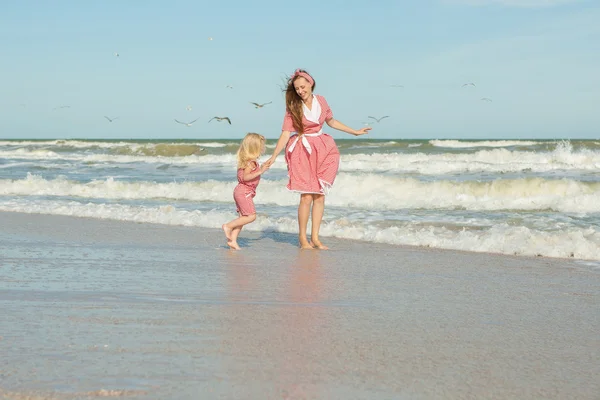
(93, 308)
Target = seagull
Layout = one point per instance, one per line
(221, 119)
(468, 84)
(56, 108)
(379, 119)
(228, 87)
(187, 123)
(210, 38)
(116, 54)
(189, 108)
(486, 99)
(260, 105)
(111, 119)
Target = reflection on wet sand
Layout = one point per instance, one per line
(281, 343)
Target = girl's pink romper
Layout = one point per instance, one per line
(245, 191)
(313, 158)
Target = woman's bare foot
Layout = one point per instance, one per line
(227, 232)
(318, 245)
(304, 244)
(233, 245)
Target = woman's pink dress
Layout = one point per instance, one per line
(313, 158)
(245, 191)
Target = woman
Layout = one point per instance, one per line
(311, 155)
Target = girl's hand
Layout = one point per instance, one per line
(362, 131)
(265, 167)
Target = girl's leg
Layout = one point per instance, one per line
(318, 209)
(303, 212)
(227, 230)
(228, 227)
(234, 235)
(234, 227)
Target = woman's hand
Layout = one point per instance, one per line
(269, 162)
(362, 131)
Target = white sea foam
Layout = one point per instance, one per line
(81, 144)
(365, 191)
(214, 144)
(502, 238)
(460, 144)
(563, 158)
(44, 154)
(494, 160)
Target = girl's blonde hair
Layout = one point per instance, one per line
(250, 149)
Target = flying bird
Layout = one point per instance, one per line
(486, 99)
(59, 107)
(468, 84)
(189, 108)
(221, 119)
(210, 38)
(187, 123)
(111, 119)
(228, 87)
(379, 119)
(260, 105)
(116, 54)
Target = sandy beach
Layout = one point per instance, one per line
(98, 308)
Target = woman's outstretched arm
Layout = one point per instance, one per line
(335, 124)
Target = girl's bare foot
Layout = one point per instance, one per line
(227, 232)
(318, 245)
(233, 245)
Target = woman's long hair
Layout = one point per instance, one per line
(250, 149)
(293, 103)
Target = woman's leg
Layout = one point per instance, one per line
(318, 209)
(303, 212)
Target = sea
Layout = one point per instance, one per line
(515, 197)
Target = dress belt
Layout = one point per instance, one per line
(304, 141)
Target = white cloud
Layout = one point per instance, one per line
(515, 3)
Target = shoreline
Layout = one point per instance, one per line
(292, 238)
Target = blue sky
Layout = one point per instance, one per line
(538, 60)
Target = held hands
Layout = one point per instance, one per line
(265, 167)
(269, 162)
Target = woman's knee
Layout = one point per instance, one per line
(306, 198)
(319, 198)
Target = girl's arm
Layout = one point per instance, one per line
(249, 174)
(283, 139)
(335, 124)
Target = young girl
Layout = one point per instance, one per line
(249, 172)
